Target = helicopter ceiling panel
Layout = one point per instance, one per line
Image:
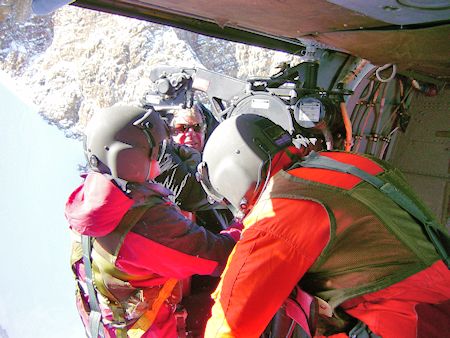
(414, 34)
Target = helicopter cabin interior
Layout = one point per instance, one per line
(384, 64)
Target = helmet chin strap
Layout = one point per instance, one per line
(266, 181)
(258, 183)
(292, 155)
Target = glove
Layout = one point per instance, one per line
(234, 230)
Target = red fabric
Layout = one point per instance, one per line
(162, 244)
(392, 312)
(162, 241)
(338, 179)
(96, 207)
(141, 256)
(278, 245)
(281, 240)
(282, 159)
(164, 326)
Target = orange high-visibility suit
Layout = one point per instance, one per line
(281, 241)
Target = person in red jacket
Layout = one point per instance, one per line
(131, 244)
(331, 233)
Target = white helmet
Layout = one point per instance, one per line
(124, 141)
(236, 157)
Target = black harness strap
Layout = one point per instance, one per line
(438, 238)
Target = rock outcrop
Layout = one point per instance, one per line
(76, 60)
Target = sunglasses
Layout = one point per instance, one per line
(183, 128)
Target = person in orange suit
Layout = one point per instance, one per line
(333, 242)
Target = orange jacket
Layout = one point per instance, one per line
(282, 239)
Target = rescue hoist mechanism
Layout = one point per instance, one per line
(290, 98)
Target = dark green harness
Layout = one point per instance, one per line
(376, 239)
(373, 243)
(434, 231)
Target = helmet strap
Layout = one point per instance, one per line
(246, 206)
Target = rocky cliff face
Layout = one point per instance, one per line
(76, 60)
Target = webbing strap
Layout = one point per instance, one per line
(220, 218)
(437, 237)
(146, 320)
(95, 327)
(119, 323)
(102, 265)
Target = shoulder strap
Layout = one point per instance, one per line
(436, 235)
(146, 320)
(95, 328)
(112, 242)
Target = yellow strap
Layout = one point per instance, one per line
(146, 320)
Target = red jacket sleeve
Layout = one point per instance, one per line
(166, 243)
(281, 240)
